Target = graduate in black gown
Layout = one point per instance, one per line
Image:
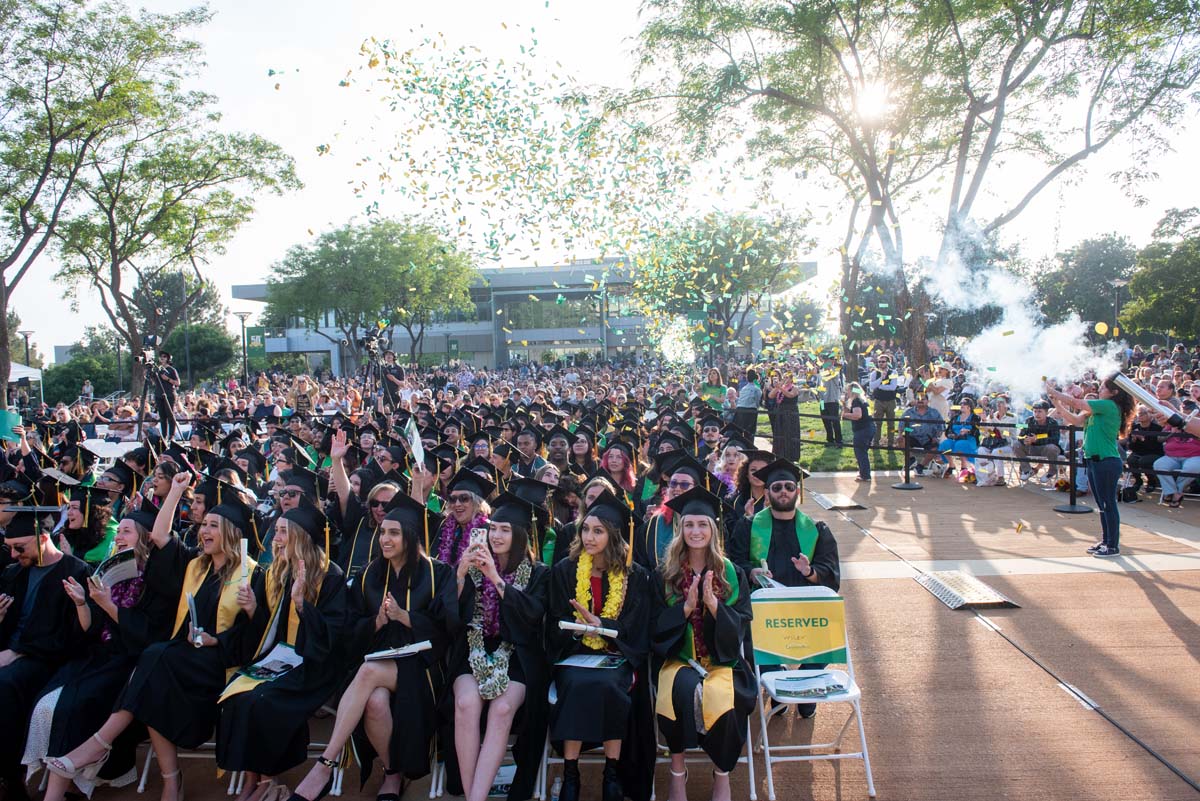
(120, 621)
(681, 472)
(700, 629)
(565, 537)
(600, 585)
(358, 519)
(390, 707)
(498, 665)
(264, 723)
(39, 632)
(174, 688)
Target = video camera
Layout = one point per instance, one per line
(150, 344)
(373, 342)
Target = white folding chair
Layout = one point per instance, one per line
(796, 625)
(542, 785)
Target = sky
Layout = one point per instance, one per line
(313, 44)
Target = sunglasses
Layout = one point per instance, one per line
(287, 493)
(683, 485)
(460, 498)
(376, 504)
(783, 486)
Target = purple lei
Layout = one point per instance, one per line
(452, 541)
(490, 600)
(124, 594)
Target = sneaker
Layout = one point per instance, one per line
(1095, 547)
(1104, 551)
(919, 470)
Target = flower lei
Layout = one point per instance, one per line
(491, 670)
(583, 594)
(450, 549)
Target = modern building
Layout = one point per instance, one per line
(522, 313)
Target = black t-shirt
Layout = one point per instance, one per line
(164, 386)
(864, 420)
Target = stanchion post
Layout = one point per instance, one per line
(1072, 508)
(908, 483)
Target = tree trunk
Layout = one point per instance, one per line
(916, 338)
(5, 355)
(137, 378)
(848, 298)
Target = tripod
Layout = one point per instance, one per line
(152, 372)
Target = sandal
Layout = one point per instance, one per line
(1176, 501)
(175, 775)
(64, 767)
(333, 766)
(393, 796)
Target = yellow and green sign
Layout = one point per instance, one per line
(798, 630)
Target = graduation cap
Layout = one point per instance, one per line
(83, 459)
(224, 463)
(26, 522)
(508, 508)
(229, 439)
(17, 488)
(756, 455)
(142, 456)
(123, 475)
(584, 430)
(88, 497)
(480, 464)
(206, 434)
(446, 454)
(504, 450)
(624, 446)
(615, 512)
(697, 501)
(312, 484)
(469, 481)
(413, 516)
(530, 490)
(314, 523)
(534, 432)
(558, 432)
(144, 515)
(256, 463)
(737, 437)
(684, 462)
(234, 509)
(783, 470)
(182, 455)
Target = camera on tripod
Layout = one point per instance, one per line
(150, 346)
(372, 343)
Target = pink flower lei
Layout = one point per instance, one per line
(452, 541)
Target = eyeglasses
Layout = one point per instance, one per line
(783, 486)
(460, 498)
(289, 493)
(683, 485)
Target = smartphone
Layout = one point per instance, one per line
(479, 536)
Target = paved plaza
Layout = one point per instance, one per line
(966, 705)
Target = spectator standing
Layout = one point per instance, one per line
(745, 415)
(831, 395)
(86, 392)
(884, 385)
(863, 428)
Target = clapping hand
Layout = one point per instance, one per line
(584, 614)
(298, 579)
(74, 591)
(692, 598)
(802, 565)
(710, 593)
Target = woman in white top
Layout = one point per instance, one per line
(995, 441)
(939, 390)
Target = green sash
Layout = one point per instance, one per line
(760, 535)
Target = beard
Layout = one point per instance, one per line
(781, 505)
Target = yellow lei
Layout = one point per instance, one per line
(583, 594)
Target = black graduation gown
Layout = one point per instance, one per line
(645, 547)
(727, 636)
(598, 704)
(360, 542)
(522, 619)
(784, 548)
(175, 687)
(90, 685)
(420, 679)
(265, 730)
(50, 636)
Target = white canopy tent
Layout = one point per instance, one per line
(18, 371)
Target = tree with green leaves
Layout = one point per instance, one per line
(213, 349)
(1081, 281)
(716, 270)
(74, 77)
(364, 277)
(164, 201)
(1164, 291)
(16, 343)
(888, 101)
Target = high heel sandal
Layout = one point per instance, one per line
(682, 775)
(393, 796)
(332, 765)
(64, 767)
(175, 775)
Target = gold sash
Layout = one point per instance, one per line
(717, 693)
(227, 607)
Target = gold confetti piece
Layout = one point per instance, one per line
(1008, 333)
(1019, 527)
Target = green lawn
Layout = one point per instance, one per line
(815, 457)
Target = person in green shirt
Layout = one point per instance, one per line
(712, 391)
(1104, 420)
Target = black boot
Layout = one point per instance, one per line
(570, 786)
(611, 787)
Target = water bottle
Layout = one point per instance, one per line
(556, 788)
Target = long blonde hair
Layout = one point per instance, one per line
(231, 548)
(299, 547)
(676, 558)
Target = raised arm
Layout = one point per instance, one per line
(337, 471)
(161, 534)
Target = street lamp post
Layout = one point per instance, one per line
(187, 339)
(242, 315)
(1117, 285)
(27, 335)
